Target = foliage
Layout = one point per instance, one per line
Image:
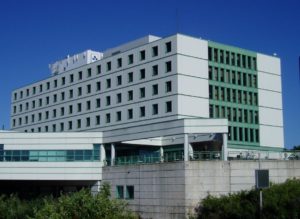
(78, 205)
(279, 201)
(296, 148)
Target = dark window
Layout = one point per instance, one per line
(63, 81)
(88, 105)
(119, 116)
(209, 53)
(108, 66)
(129, 192)
(78, 107)
(155, 51)
(130, 59)
(47, 85)
(108, 83)
(155, 70)
(107, 117)
(130, 113)
(168, 66)
(168, 86)
(155, 109)
(71, 78)
(168, 47)
(98, 120)
(88, 121)
(119, 62)
(98, 86)
(119, 80)
(142, 92)
(120, 192)
(70, 93)
(142, 74)
(130, 77)
(89, 72)
(168, 106)
(98, 103)
(119, 98)
(98, 69)
(130, 95)
(142, 55)
(142, 111)
(80, 75)
(154, 89)
(79, 91)
(107, 100)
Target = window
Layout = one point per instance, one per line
(88, 122)
(70, 124)
(62, 111)
(154, 89)
(70, 94)
(33, 104)
(142, 74)
(55, 98)
(79, 91)
(168, 66)
(47, 100)
(108, 83)
(98, 86)
(108, 66)
(63, 81)
(154, 109)
(41, 90)
(47, 115)
(27, 90)
(70, 109)
(155, 51)
(168, 86)
(129, 192)
(119, 80)
(32, 117)
(71, 78)
(88, 105)
(119, 62)
(98, 103)
(62, 95)
(46, 128)
(88, 89)
(120, 192)
(54, 128)
(107, 117)
(33, 90)
(107, 100)
(78, 123)
(80, 75)
(142, 55)
(89, 72)
(55, 83)
(97, 120)
(154, 70)
(119, 116)
(142, 92)
(79, 107)
(168, 106)
(40, 102)
(61, 126)
(130, 77)
(130, 95)
(98, 69)
(130, 59)
(130, 113)
(168, 47)
(142, 111)
(119, 98)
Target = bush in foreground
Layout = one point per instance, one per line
(78, 205)
(279, 201)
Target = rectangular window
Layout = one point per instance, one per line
(89, 72)
(54, 128)
(55, 83)
(70, 109)
(97, 120)
(78, 123)
(168, 66)
(154, 109)
(209, 54)
(108, 66)
(155, 51)
(79, 107)
(98, 69)
(119, 80)
(71, 78)
(142, 111)
(62, 111)
(119, 116)
(142, 92)
(142, 74)
(130, 113)
(142, 55)
(119, 62)
(130, 95)
(129, 192)
(80, 75)
(61, 126)
(168, 47)
(70, 94)
(107, 100)
(108, 83)
(168, 106)
(154, 89)
(120, 192)
(62, 96)
(55, 98)
(88, 89)
(63, 81)
(88, 105)
(47, 86)
(119, 98)
(40, 102)
(98, 103)
(70, 124)
(154, 70)
(98, 86)
(215, 55)
(41, 90)
(130, 77)
(33, 90)
(88, 122)
(107, 117)
(27, 90)
(130, 59)
(168, 86)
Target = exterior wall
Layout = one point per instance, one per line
(270, 101)
(172, 190)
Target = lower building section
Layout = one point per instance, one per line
(172, 190)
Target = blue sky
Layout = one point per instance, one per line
(35, 33)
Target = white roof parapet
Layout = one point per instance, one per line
(75, 61)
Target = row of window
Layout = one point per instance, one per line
(87, 122)
(233, 95)
(63, 80)
(232, 77)
(108, 98)
(234, 114)
(127, 193)
(243, 134)
(231, 58)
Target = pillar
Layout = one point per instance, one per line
(224, 147)
(112, 155)
(95, 188)
(186, 147)
(161, 153)
(191, 151)
(102, 154)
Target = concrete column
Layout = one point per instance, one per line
(112, 155)
(161, 153)
(102, 153)
(186, 147)
(191, 151)
(224, 147)
(95, 188)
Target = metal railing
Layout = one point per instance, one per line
(137, 159)
(263, 155)
(206, 155)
